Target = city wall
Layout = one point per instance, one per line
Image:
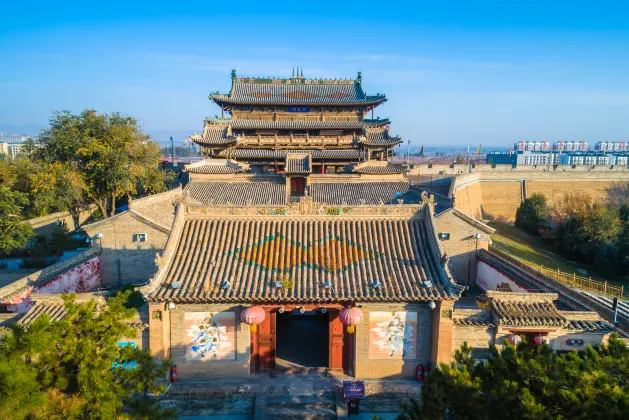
(491, 195)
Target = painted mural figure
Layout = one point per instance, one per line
(394, 336)
(207, 336)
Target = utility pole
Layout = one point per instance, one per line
(615, 309)
(172, 156)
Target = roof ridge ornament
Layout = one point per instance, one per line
(233, 74)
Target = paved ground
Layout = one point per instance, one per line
(287, 396)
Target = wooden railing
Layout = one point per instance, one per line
(572, 280)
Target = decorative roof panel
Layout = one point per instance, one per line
(242, 260)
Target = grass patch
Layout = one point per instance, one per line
(521, 245)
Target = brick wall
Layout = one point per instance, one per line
(470, 200)
(460, 247)
(124, 260)
(496, 195)
(441, 342)
(479, 338)
(367, 368)
(203, 370)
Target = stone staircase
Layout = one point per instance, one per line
(309, 407)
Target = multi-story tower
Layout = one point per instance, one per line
(325, 118)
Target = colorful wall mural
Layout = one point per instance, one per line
(392, 335)
(83, 278)
(210, 336)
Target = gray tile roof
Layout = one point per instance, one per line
(356, 193)
(298, 163)
(526, 313)
(348, 154)
(374, 167)
(215, 166)
(603, 326)
(240, 260)
(214, 135)
(379, 138)
(296, 91)
(56, 310)
(238, 192)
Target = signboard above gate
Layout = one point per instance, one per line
(353, 389)
(298, 109)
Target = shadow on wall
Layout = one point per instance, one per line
(128, 265)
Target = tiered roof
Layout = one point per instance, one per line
(303, 260)
(296, 91)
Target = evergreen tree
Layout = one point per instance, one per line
(533, 213)
(529, 383)
(81, 370)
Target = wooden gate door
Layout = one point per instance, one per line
(263, 345)
(335, 341)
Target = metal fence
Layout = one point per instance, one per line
(573, 280)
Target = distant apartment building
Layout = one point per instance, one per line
(533, 158)
(11, 145)
(611, 146)
(571, 146)
(531, 146)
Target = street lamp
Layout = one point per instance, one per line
(477, 237)
(99, 236)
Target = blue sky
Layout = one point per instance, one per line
(455, 72)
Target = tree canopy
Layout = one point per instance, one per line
(14, 231)
(532, 214)
(76, 368)
(107, 156)
(529, 382)
(581, 229)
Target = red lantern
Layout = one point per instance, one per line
(253, 316)
(540, 339)
(514, 339)
(351, 317)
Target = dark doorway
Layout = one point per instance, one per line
(302, 339)
(298, 186)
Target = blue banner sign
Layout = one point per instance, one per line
(353, 389)
(298, 109)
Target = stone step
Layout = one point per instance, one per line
(309, 407)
